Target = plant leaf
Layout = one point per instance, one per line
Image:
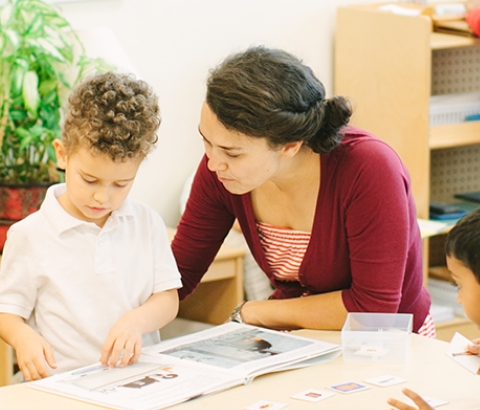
(30, 92)
(6, 14)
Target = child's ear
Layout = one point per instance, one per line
(60, 153)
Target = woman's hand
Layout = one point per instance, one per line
(400, 405)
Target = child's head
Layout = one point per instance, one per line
(462, 248)
(110, 127)
(112, 114)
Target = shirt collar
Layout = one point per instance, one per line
(62, 221)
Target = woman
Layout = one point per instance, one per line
(326, 209)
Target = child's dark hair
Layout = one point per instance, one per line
(270, 93)
(463, 242)
(113, 114)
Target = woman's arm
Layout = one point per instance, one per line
(325, 311)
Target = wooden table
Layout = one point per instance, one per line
(220, 290)
(427, 370)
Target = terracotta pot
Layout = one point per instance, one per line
(18, 201)
(4, 225)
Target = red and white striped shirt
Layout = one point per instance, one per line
(284, 249)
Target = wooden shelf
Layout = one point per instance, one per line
(455, 135)
(440, 41)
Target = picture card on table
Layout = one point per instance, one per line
(385, 380)
(349, 387)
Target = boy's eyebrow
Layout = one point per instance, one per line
(220, 146)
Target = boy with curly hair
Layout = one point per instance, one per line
(462, 247)
(91, 275)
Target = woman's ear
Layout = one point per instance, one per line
(60, 153)
(290, 149)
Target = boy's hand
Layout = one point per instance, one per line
(124, 336)
(33, 354)
(474, 347)
(400, 405)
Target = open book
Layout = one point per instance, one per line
(190, 366)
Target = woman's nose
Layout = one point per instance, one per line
(215, 163)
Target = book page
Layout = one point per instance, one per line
(243, 350)
(145, 385)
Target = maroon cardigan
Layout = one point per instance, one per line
(365, 238)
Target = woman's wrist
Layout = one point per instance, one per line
(236, 315)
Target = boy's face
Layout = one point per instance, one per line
(96, 185)
(468, 288)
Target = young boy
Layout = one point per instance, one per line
(91, 275)
(463, 261)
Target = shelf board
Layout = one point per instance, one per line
(453, 322)
(440, 41)
(454, 135)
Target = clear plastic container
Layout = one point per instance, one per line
(376, 336)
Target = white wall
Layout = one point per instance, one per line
(173, 44)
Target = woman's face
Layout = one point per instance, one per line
(242, 163)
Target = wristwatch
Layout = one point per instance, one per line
(236, 315)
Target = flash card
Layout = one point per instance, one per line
(385, 380)
(313, 395)
(266, 404)
(457, 350)
(431, 401)
(349, 387)
(435, 402)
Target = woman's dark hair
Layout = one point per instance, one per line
(463, 242)
(269, 93)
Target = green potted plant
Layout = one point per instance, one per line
(41, 59)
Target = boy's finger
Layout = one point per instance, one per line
(474, 348)
(400, 405)
(136, 354)
(127, 353)
(26, 373)
(49, 357)
(116, 352)
(418, 400)
(106, 351)
(33, 372)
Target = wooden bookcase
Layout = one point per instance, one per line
(389, 66)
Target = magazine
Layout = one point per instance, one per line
(186, 367)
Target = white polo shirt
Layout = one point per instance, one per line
(72, 280)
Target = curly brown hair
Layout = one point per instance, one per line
(269, 93)
(113, 114)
